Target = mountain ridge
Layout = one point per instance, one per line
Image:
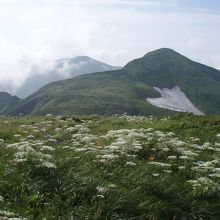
(126, 90)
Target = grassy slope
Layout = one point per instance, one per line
(100, 93)
(133, 192)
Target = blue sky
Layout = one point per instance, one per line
(212, 6)
(114, 31)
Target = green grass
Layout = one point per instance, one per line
(85, 185)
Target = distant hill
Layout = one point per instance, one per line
(161, 82)
(61, 69)
(7, 102)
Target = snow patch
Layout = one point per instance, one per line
(174, 99)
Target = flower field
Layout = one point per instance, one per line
(118, 167)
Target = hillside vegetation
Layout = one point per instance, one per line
(116, 167)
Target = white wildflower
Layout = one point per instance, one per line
(101, 189)
(130, 163)
(167, 171)
(109, 156)
(58, 130)
(71, 129)
(6, 213)
(52, 140)
(170, 134)
(137, 147)
(43, 130)
(1, 198)
(165, 149)
(171, 158)
(184, 158)
(155, 174)
(160, 164)
(84, 130)
(150, 130)
(217, 144)
(112, 185)
(112, 148)
(100, 196)
(217, 170)
(49, 165)
(217, 175)
(206, 145)
(48, 148)
(20, 218)
(189, 153)
(17, 160)
(66, 147)
(80, 149)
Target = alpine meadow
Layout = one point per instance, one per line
(109, 110)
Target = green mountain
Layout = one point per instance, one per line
(126, 90)
(7, 102)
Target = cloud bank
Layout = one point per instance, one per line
(113, 31)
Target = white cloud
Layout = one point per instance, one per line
(215, 60)
(125, 2)
(51, 29)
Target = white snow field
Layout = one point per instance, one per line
(174, 99)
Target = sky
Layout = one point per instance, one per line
(113, 31)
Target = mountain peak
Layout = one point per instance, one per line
(163, 51)
(159, 58)
(82, 59)
(76, 59)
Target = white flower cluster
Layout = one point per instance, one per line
(138, 119)
(162, 151)
(6, 215)
(202, 183)
(31, 150)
